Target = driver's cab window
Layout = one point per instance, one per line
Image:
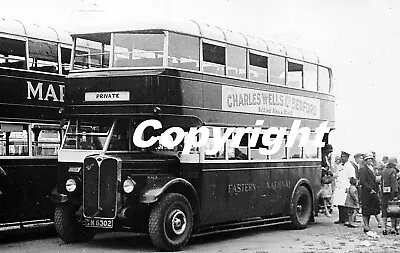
(87, 135)
(120, 136)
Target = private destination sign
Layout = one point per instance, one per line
(107, 96)
(268, 102)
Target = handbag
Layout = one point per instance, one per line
(327, 179)
(393, 208)
(327, 176)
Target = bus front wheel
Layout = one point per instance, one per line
(69, 228)
(302, 208)
(171, 222)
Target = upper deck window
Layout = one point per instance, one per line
(12, 53)
(236, 61)
(277, 69)
(258, 67)
(310, 77)
(138, 50)
(43, 56)
(213, 58)
(295, 75)
(323, 80)
(95, 54)
(65, 60)
(183, 51)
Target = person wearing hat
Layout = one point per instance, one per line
(325, 192)
(345, 171)
(358, 160)
(326, 156)
(389, 189)
(369, 191)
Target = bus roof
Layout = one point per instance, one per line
(194, 28)
(18, 28)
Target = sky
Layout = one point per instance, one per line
(359, 39)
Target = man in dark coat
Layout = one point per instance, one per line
(358, 161)
(389, 189)
(369, 190)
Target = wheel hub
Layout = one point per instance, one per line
(178, 222)
(299, 208)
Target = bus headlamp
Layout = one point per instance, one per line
(70, 185)
(128, 185)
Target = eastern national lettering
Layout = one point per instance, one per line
(249, 187)
(238, 188)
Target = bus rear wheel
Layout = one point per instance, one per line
(171, 222)
(68, 228)
(302, 208)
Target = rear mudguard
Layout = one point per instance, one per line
(307, 184)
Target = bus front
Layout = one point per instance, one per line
(105, 180)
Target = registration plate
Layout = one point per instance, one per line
(99, 223)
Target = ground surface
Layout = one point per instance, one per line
(321, 236)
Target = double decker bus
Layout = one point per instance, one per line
(118, 169)
(34, 60)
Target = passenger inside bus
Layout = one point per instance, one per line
(89, 143)
(119, 140)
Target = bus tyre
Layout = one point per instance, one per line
(69, 228)
(301, 208)
(171, 222)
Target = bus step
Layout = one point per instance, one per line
(13, 226)
(248, 224)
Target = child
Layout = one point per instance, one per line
(352, 203)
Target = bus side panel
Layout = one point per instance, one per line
(26, 189)
(237, 191)
(29, 96)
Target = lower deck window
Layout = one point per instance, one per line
(14, 140)
(239, 153)
(19, 139)
(243, 151)
(46, 142)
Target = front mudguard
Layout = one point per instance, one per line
(154, 190)
(58, 197)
